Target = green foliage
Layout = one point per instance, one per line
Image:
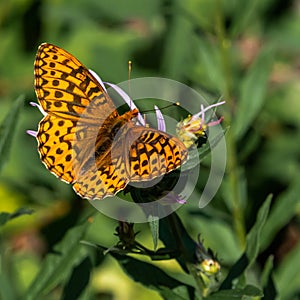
(67, 255)
(8, 128)
(255, 84)
(252, 247)
(153, 277)
(154, 227)
(282, 212)
(247, 53)
(5, 217)
(248, 291)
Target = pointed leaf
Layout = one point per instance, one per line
(253, 92)
(171, 226)
(283, 210)
(58, 265)
(253, 237)
(269, 290)
(175, 56)
(208, 67)
(8, 288)
(78, 280)
(244, 13)
(149, 275)
(247, 291)
(7, 129)
(287, 274)
(179, 293)
(252, 247)
(154, 227)
(5, 217)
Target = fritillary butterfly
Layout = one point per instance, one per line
(99, 155)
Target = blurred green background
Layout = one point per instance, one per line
(245, 51)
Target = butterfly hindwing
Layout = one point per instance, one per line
(152, 153)
(100, 178)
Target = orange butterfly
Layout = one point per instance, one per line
(84, 141)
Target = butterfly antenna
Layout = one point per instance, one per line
(129, 76)
(161, 108)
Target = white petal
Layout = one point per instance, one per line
(39, 107)
(98, 79)
(32, 133)
(128, 101)
(161, 124)
(196, 116)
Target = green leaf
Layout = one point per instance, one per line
(287, 275)
(236, 270)
(7, 129)
(8, 288)
(208, 65)
(171, 233)
(149, 275)
(58, 265)
(179, 293)
(176, 54)
(5, 217)
(78, 280)
(252, 93)
(252, 247)
(267, 270)
(253, 237)
(284, 208)
(154, 228)
(244, 13)
(269, 290)
(247, 291)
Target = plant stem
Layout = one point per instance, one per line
(232, 163)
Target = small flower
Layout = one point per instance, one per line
(126, 235)
(193, 127)
(207, 268)
(206, 263)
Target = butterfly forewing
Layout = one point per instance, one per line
(70, 95)
(66, 88)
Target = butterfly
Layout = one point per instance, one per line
(82, 138)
